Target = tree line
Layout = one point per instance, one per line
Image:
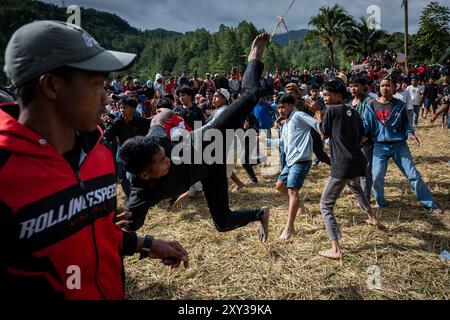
(335, 39)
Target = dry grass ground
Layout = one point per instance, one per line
(235, 265)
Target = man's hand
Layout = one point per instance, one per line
(412, 137)
(123, 218)
(312, 105)
(170, 252)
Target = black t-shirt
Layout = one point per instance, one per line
(431, 91)
(123, 131)
(190, 115)
(73, 156)
(345, 129)
(145, 194)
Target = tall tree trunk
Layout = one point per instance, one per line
(331, 56)
(405, 6)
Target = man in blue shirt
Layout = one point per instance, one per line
(386, 121)
(298, 148)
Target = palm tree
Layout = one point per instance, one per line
(329, 25)
(361, 39)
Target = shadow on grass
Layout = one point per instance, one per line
(343, 293)
(155, 290)
(431, 159)
(431, 242)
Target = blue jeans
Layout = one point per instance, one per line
(413, 115)
(294, 176)
(401, 155)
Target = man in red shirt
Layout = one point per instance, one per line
(58, 191)
(170, 86)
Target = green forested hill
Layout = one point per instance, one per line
(167, 52)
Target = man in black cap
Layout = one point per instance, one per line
(58, 190)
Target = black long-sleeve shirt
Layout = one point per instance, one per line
(123, 131)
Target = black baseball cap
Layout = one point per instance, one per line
(42, 46)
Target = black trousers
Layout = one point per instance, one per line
(212, 176)
(215, 182)
(366, 182)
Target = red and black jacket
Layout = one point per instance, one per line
(57, 224)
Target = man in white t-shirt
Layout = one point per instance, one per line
(402, 95)
(414, 92)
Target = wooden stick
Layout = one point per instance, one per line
(282, 19)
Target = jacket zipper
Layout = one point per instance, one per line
(82, 187)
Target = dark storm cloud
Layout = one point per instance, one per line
(188, 15)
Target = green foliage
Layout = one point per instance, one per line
(433, 37)
(329, 25)
(360, 39)
(335, 37)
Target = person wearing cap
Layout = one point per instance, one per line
(344, 128)
(292, 88)
(58, 191)
(158, 175)
(220, 103)
(386, 121)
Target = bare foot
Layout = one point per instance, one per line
(331, 253)
(263, 230)
(287, 233)
(258, 46)
(252, 183)
(372, 218)
(237, 187)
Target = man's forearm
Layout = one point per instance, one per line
(160, 118)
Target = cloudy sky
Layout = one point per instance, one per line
(188, 15)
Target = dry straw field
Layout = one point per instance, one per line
(235, 265)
